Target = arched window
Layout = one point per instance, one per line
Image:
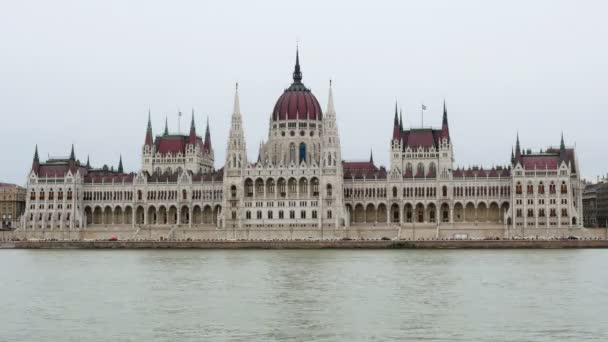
(420, 169)
(292, 153)
(302, 152)
(329, 190)
(518, 188)
(432, 170)
(184, 194)
(233, 191)
(564, 188)
(408, 168)
(394, 191)
(444, 191)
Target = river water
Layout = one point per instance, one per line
(304, 295)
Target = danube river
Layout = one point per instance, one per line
(304, 295)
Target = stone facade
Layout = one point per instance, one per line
(12, 204)
(299, 182)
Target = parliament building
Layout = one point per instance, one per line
(299, 180)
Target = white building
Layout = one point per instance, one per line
(300, 180)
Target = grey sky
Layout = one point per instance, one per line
(85, 72)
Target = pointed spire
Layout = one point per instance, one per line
(192, 136)
(72, 154)
(120, 169)
(371, 156)
(207, 142)
(512, 156)
(166, 132)
(330, 100)
(445, 127)
(401, 120)
(396, 123)
(562, 149)
(36, 161)
(88, 166)
(297, 73)
(237, 104)
(149, 130)
(260, 153)
(517, 149)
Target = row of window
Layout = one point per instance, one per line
(281, 214)
(51, 195)
(541, 213)
(541, 188)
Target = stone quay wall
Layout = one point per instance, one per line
(321, 244)
(396, 232)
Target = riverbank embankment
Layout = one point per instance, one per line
(318, 244)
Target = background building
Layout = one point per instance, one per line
(12, 204)
(595, 204)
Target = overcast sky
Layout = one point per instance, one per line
(85, 72)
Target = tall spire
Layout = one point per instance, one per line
(207, 142)
(192, 136)
(562, 149)
(297, 73)
(36, 162)
(401, 120)
(120, 169)
(371, 155)
(512, 156)
(36, 159)
(72, 154)
(330, 100)
(166, 126)
(517, 149)
(149, 130)
(237, 104)
(445, 127)
(88, 166)
(396, 122)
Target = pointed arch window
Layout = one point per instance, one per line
(292, 153)
(302, 153)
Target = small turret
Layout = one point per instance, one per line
(445, 127)
(72, 154)
(192, 136)
(396, 126)
(207, 142)
(88, 166)
(562, 149)
(36, 162)
(120, 169)
(517, 149)
(149, 138)
(166, 132)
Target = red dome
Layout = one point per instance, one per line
(297, 102)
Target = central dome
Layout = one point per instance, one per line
(297, 102)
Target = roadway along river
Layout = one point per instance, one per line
(304, 295)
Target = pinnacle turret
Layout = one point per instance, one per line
(192, 136)
(72, 154)
(149, 138)
(166, 132)
(297, 73)
(120, 169)
(207, 141)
